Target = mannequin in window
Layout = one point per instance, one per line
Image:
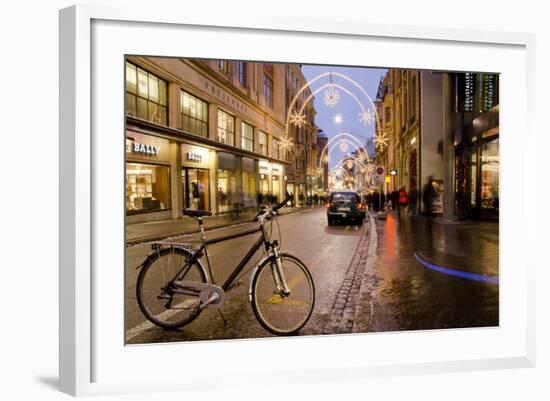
(195, 194)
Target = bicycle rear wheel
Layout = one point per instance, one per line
(277, 313)
(158, 298)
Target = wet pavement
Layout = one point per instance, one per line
(328, 251)
(399, 293)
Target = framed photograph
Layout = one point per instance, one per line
(345, 197)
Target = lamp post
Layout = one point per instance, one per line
(393, 173)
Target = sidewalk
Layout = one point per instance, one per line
(158, 230)
(426, 274)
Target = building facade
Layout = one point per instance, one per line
(443, 129)
(302, 159)
(202, 134)
(398, 107)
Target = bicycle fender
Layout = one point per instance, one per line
(255, 271)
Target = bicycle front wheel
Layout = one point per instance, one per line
(159, 299)
(278, 313)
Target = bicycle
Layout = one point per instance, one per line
(173, 287)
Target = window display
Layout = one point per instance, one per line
(196, 191)
(147, 188)
(490, 175)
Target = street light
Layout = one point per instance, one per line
(393, 173)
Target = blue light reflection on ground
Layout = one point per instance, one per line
(457, 273)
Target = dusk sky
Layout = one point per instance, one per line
(347, 108)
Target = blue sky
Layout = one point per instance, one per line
(347, 107)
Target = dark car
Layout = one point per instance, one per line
(345, 206)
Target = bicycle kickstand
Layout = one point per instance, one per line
(222, 316)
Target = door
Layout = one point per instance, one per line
(196, 193)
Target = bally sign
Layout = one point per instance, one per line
(145, 149)
(194, 157)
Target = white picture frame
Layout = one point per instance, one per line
(92, 363)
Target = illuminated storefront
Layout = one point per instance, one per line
(148, 169)
(195, 177)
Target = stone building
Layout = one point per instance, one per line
(302, 159)
(203, 134)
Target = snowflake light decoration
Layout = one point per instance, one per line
(320, 171)
(325, 159)
(297, 119)
(343, 146)
(381, 141)
(286, 144)
(349, 164)
(366, 117)
(331, 96)
(370, 169)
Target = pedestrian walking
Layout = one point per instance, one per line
(393, 199)
(402, 201)
(316, 200)
(413, 199)
(301, 199)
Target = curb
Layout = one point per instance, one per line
(158, 237)
(364, 304)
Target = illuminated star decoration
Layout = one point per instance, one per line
(381, 141)
(366, 117)
(331, 96)
(297, 119)
(370, 169)
(286, 144)
(349, 164)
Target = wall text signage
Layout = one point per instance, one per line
(194, 157)
(145, 149)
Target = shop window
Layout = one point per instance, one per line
(226, 190)
(195, 186)
(145, 95)
(247, 137)
(226, 128)
(147, 188)
(194, 115)
(490, 175)
(249, 182)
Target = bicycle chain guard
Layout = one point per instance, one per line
(211, 295)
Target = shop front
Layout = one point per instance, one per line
(195, 177)
(227, 182)
(271, 181)
(477, 176)
(249, 181)
(148, 178)
(277, 183)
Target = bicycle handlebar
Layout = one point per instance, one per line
(280, 205)
(273, 209)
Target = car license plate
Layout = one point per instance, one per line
(344, 209)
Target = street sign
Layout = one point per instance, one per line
(380, 170)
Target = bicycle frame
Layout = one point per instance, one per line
(196, 255)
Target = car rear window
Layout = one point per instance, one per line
(345, 197)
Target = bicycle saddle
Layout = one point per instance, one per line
(196, 213)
